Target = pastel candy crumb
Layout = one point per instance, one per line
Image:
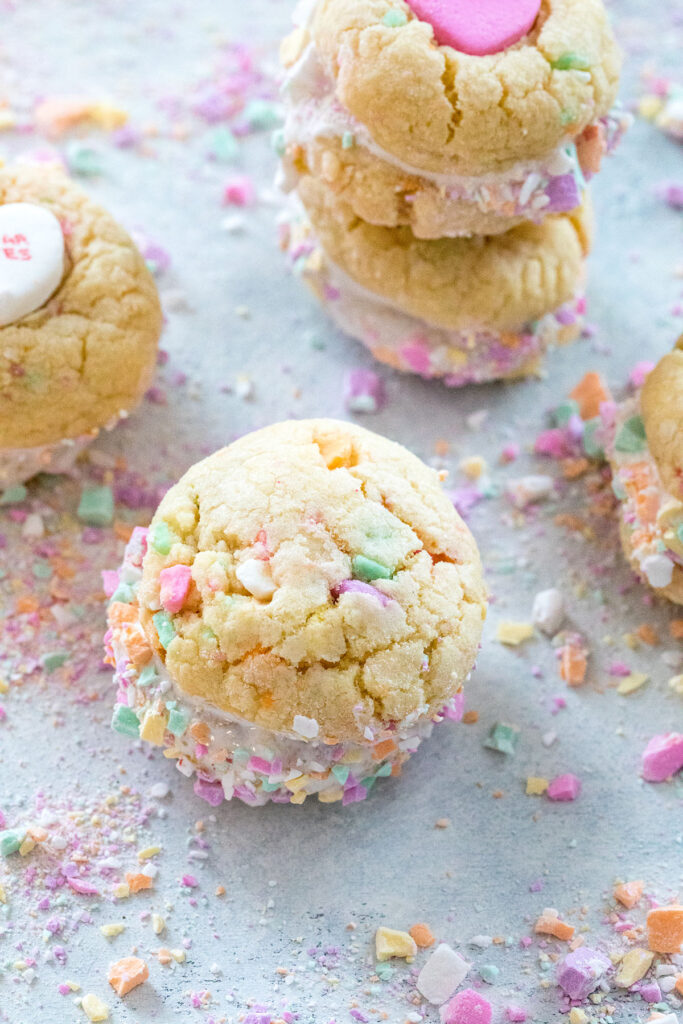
(663, 757)
(467, 1007)
(392, 943)
(127, 974)
(564, 787)
(442, 974)
(628, 893)
(174, 585)
(580, 972)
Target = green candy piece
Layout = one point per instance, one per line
(394, 19)
(178, 721)
(125, 721)
(165, 628)
(384, 972)
(84, 161)
(384, 770)
(631, 438)
(53, 660)
(224, 146)
(270, 787)
(341, 772)
(591, 445)
(489, 973)
(42, 570)
(123, 593)
(348, 140)
(163, 538)
(367, 569)
(147, 676)
(10, 841)
(564, 412)
(571, 62)
(262, 114)
(13, 495)
(277, 141)
(96, 507)
(503, 738)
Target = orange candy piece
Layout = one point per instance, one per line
(422, 935)
(383, 749)
(573, 665)
(127, 974)
(665, 929)
(588, 394)
(628, 893)
(136, 882)
(553, 926)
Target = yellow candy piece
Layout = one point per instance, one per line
(110, 931)
(294, 785)
(94, 1008)
(629, 684)
(634, 966)
(389, 942)
(330, 796)
(536, 786)
(158, 924)
(149, 851)
(153, 727)
(514, 633)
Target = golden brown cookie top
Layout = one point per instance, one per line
(331, 578)
(88, 354)
(449, 112)
(502, 282)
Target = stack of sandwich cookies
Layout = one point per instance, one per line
(645, 447)
(79, 322)
(305, 606)
(439, 122)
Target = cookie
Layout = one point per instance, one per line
(80, 321)
(645, 448)
(474, 144)
(321, 138)
(468, 355)
(306, 604)
(502, 282)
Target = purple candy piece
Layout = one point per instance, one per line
(364, 391)
(563, 194)
(580, 972)
(672, 193)
(358, 587)
(212, 792)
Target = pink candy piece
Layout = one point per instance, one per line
(467, 1007)
(110, 581)
(564, 787)
(239, 191)
(515, 1014)
(580, 972)
(663, 757)
(174, 584)
(358, 587)
(212, 792)
(477, 26)
(639, 373)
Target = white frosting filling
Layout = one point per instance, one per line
(313, 112)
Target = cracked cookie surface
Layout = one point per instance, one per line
(88, 354)
(449, 112)
(368, 601)
(503, 282)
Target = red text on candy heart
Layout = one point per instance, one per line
(16, 247)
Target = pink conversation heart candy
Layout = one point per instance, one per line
(477, 26)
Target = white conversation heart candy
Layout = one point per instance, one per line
(31, 259)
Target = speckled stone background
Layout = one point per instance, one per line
(296, 876)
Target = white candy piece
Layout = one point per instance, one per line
(31, 259)
(526, 490)
(254, 575)
(658, 569)
(441, 975)
(547, 612)
(307, 727)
